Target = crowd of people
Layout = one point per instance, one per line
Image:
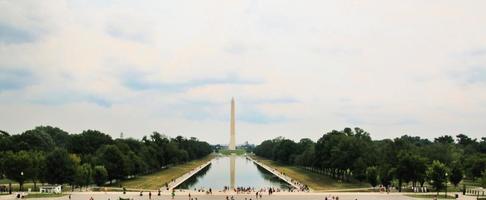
(331, 197)
(243, 190)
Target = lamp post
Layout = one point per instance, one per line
(348, 174)
(446, 185)
(22, 178)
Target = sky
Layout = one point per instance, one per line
(296, 68)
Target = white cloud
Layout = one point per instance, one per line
(390, 67)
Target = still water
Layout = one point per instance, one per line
(233, 171)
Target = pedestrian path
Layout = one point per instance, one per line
(173, 184)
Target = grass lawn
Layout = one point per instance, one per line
(228, 152)
(43, 195)
(429, 196)
(316, 182)
(158, 179)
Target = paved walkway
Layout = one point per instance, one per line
(181, 179)
(222, 196)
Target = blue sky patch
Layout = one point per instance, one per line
(14, 79)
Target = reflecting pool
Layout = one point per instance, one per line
(233, 171)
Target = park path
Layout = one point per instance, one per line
(221, 195)
(280, 175)
(173, 184)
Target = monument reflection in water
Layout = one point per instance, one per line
(232, 171)
(241, 172)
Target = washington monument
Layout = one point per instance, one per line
(232, 143)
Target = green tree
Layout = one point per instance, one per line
(60, 137)
(482, 145)
(437, 175)
(483, 179)
(476, 165)
(405, 168)
(456, 174)
(138, 165)
(445, 139)
(37, 166)
(88, 142)
(50, 162)
(100, 175)
(114, 161)
(5, 141)
(2, 165)
(60, 167)
(372, 175)
(386, 175)
(464, 140)
(359, 170)
(33, 140)
(16, 166)
(265, 149)
(283, 151)
(307, 157)
(84, 175)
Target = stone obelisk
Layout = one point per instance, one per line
(232, 143)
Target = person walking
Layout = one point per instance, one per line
(150, 195)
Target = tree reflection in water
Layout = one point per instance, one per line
(233, 171)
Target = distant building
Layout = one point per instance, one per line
(56, 189)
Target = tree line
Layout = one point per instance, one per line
(351, 154)
(51, 155)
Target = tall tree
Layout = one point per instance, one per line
(60, 137)
(84, 175)
(60, 167)
(33, 140)
(475, 164)
(372, 176)
(100, 175)
(456, 174)
(114, 161)
(483, 179)
(37, 166)
(5, 141)
(282, 152)
(386, 175)
(445, 139)
(437, 175)
(88, 142)
(16, 166)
